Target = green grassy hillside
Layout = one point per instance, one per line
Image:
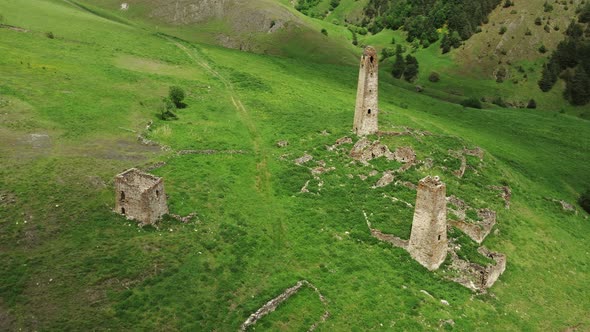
(71, 108)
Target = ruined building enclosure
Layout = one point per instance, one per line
(366, 110)
(428, 240)
(140, 196)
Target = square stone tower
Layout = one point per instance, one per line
(428, 240)
(366, 110)
(140, 196)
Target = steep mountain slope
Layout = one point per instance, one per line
(260, 26)
(486, 52)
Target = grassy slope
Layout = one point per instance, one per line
(75, 265)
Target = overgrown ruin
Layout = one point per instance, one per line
(366, 110)
(140, 196)
(428, 240)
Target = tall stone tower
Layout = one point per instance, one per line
(366, 111)
(428, 240)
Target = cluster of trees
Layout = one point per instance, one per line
(422, 18)
(406, 67)
(170, 103)
(571, 62)
(305, 5)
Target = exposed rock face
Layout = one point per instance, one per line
(366, 110)
(140, 196)
(428, 240)
(282, 144)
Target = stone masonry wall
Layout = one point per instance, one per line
(366, 110)
(140, 196)
(428, 239)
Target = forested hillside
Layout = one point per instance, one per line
(571, 61)
(422, 18)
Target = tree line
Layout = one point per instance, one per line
(571, 61)
(422, 18)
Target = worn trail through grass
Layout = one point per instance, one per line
(267, 203)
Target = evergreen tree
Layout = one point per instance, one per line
(577, 89)
(548, 78)
(445, 44)
(399, 66)
(411, 72)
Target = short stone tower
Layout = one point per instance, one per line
(366, 111)
(140, 196)
(428, 240)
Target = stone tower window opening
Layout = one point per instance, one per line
(122, 195)
(369, 111)
(157, 193)
(122, 210)
(371, 59)
(439, 237)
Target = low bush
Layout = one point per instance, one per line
(584, 200)
(434, 77)
(472, 102)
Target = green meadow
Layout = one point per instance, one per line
(71, 108)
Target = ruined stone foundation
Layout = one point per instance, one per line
(366, 110)
(140, 196)
(428, 240)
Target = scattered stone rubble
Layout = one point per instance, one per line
(565, 206)
(184, 219)
(272, 305)
(303, 159)
(364, 150)
(339, 142)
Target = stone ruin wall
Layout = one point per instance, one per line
(428, 239)
(140, 196)
(367, 109)
(479, 230)
(493, 272)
